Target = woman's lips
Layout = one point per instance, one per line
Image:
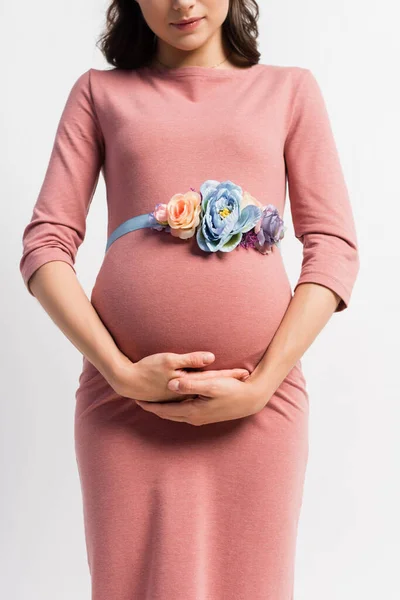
(188, 26)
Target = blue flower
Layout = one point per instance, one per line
(223, 220)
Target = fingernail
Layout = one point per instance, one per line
(174, 385)
(208, 356)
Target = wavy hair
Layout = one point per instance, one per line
(127, 42)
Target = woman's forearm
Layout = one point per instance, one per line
(57, 288)
(310, 309)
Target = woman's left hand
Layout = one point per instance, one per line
(215, 399)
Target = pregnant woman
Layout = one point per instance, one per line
(192, 492)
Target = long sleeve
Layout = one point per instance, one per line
(319, 201)
(58, 223)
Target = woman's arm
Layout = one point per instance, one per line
(58, 225)
(57, 288)
(308, 312)
(323, 222)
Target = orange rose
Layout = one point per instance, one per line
(183, 214)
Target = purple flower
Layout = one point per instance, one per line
(270, 229)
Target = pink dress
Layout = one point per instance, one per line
(174, 511)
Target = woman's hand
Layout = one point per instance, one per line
(147, 379)
(218, 399)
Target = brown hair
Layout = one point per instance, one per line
(127, 42)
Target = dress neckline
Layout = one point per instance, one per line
(198, 71)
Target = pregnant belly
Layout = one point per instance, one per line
(156, 293)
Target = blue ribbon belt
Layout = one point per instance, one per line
(138, 222)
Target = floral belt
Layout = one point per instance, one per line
(221, 215)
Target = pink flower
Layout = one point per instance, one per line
(160, 213)
(183, 214)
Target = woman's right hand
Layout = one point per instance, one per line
(147, 379)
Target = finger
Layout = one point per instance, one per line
(182, 411)
(192, 360)
(237, 373)
(195, 387)
(176, 398)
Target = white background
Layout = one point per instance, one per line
(348, 544)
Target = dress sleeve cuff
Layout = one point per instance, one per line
(330, 282)
(39, 257)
